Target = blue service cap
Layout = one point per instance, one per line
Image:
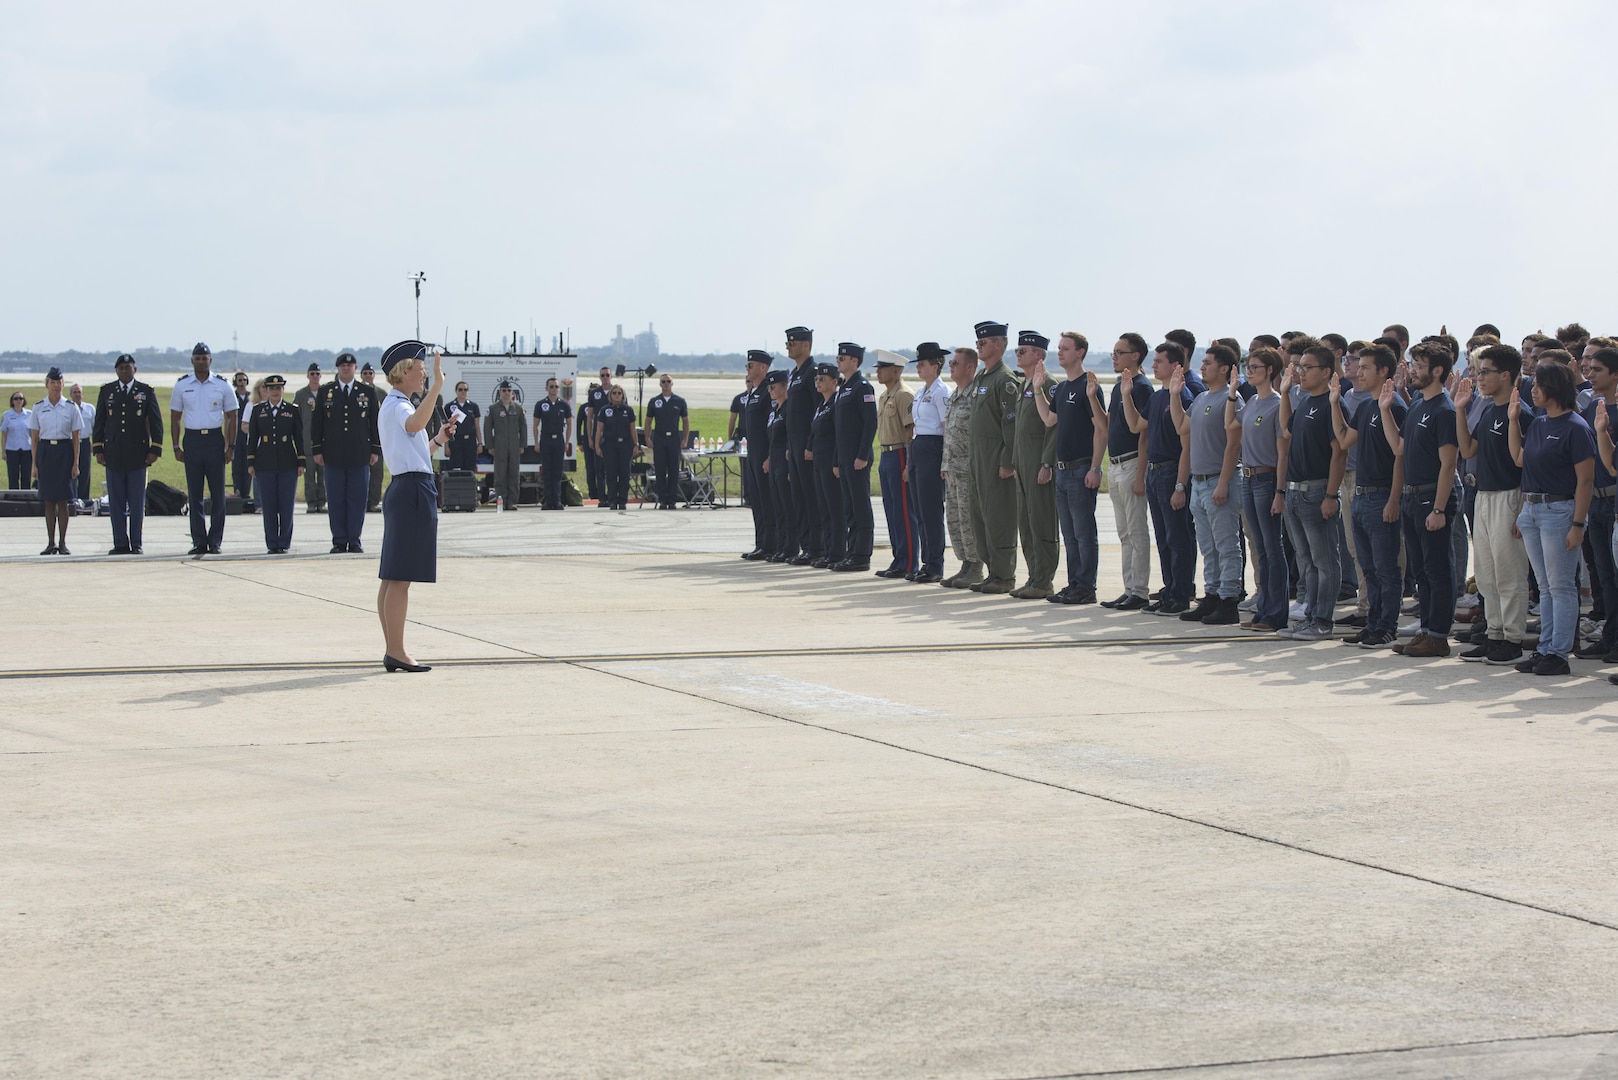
(776, 378)
(800, 333)
(848, 348)
(828, 370)
(990, 329)
(759, 356)
(201, 349)
(1034, 338)
(404, 350)
(54, 374)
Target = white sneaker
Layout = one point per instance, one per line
(1297, 612)
(1410, 607)
(1312, 632)
(1287, 632)
(1250, 604)
(1410, 629)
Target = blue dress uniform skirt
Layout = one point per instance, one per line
(410, 529)
(56, 470)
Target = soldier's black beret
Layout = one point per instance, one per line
(123, 358)
(347, 358)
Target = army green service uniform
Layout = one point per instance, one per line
(1036, 502)
(314, 476)
(994, 501)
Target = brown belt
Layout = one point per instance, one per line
(1257, 470)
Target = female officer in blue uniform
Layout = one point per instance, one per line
(410, 507)
(275, 460)
(55, 427)
(823, 456)
(615, 445)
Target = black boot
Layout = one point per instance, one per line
(1223, 614)
(1206, 605)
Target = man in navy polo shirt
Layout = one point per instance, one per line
(1168, 484)
(1501, 560)
(1603, 365)
(1427, 447)
(1311, 473)
(1375, 508)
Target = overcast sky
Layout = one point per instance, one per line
(885, 172)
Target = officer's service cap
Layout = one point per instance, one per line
(1034, 338)
(990, 329)
(201, 349)
(800, 333)
(272, 381)
(54, 375)
(931, 350)
(828, 370)
(123, 358)
(347, 358)
(884, 358)
(759, 356)
(848, 348)
(404, 350)
(314, 369)
(776, 378)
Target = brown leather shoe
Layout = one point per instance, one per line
(1258, 627)
(1428, 645)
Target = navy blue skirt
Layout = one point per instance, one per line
(56, 470)
(410, 529)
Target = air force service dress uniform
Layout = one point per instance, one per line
(855, 407)
(462, 450)
(239, 480)
(346, 438)
(410, 505)
(275, 453)
(755, 429)
(779, 477)
(202, 405)
(663, 415)
(930, 410)
(828, 489)
(994, 436)
(803, 401)
(128, 435)
(57, 423)
(551, 418)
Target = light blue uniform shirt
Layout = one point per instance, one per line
(402, 451)
(15, 426)
(57, 421)
(203, 404)
(929, 408)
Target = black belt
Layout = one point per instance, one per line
(1205, 476)
(927, 437)
(53, 442)
(1541, 497)
(1065, 465)
(1119, 459)
(398, 474)
(1370, 490)
(1422, 489)
(200, 430)
(1162, 464)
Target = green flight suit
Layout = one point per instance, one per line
(1036, 502)
(994, 501)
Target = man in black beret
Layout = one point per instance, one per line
(126, 439)
(314, 477)
(373, 497)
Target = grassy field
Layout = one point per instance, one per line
(709, 422)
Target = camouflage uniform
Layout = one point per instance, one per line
(958, 466)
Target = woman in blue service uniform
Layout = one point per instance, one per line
(410, 507)
(615, 445)
(55, 427)
(275, 460)
(822, 455)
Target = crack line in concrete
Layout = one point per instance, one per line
(1325, 1056)
(1116, 801)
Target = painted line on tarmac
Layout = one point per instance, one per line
(620, 658)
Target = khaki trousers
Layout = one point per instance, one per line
(1134, 535)
(1500, 563)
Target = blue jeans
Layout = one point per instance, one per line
(1377, 544)
(1076, 514)
(126, 492)
(1258, 495)
(1429, 555)
(1314, 539)
(346, 489)
(1219, 534)
(1544, 528)
(1176, 550)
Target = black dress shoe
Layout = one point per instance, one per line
(213, 549)
(135, 551)
(355, 549)
(1134, 603)
(775, 557)
(200, 549)
(805, 560)
(850, 566)
(338, 549)
(890, 572)
(393, 665)
(754, 556)
(121, 551)
(61, 549)
(821, 563)
(927, 579)
(1118, 603)
(912, 575)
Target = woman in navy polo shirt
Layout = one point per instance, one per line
(410, 507)
(1557, 455)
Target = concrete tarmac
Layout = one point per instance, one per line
(660, 812)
